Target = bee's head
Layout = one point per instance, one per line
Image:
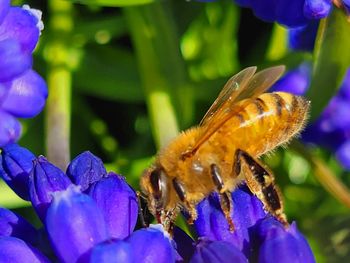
(155, 186)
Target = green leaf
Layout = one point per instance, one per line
(109, 73)
(115, 3)
(209, 45)
(331, 59)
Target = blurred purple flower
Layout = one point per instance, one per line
(289, 13)
(303, 38)
(19, 85)
(295, 81)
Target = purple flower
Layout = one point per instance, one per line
(152, 244)
(95, 226)
(16, 163)
(211, 222)
(112, 252)
(98, 225)
(115, 197)
(85, 170)
(255, 236)
(290, 13)
(15, 250)
(74, 224)
(14, 225)
(303, 38)
(19, 84)
(274, 243)
(44, 180)
(295, 81)
(217, 251)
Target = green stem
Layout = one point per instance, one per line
(58, 109)
(160, 64)
(324, 175)
(331, 60)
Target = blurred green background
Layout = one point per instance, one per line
(128, 75)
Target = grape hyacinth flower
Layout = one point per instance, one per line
(258, 236)
(303, 38)
(90, 216)
(289, 13)
(19, 85)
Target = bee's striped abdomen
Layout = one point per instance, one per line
(266, 122)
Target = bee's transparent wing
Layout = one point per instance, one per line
(239, 87)
(233, 87)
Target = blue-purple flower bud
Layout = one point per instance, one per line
(15, 250)
(19, 33)
(44, 180)
(112, 252)
(274, 243)
(23, 25)
(30, 91)
(14, 61)
(14, 225)
(75, 224)
(85, 170)
(10, 128)
(118, 202)
(316, 9)
(16, 164)
(217, 252)
(212, 224)
(152, 244)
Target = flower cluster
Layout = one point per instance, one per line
(331, 129)
(89, 215)
(19, 85)
(290, 13)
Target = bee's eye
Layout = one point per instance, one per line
(155, 180)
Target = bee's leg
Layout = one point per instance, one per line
(181, 193)
(141, 214)
(261, 182)
(225, 197)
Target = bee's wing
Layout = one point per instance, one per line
(241, 86)
(233, 87)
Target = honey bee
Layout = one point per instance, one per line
(222, 152)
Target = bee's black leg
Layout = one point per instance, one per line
(261, 182)
(181, 193)
(141, 211)
(225, 197)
